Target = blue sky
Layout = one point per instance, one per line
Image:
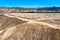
(29, 3)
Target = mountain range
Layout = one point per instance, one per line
(21, 9)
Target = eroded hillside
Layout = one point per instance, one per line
(13, 27)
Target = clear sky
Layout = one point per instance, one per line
(29, 3)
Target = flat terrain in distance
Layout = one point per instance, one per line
(45, 17)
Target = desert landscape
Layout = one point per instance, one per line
(29, 19)
(30, 26)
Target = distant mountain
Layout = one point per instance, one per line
(21, 9)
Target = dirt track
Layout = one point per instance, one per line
(32, 21)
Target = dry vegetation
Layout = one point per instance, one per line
(30, 26)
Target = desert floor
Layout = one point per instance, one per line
(30, 26)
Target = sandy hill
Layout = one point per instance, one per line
(15, 28)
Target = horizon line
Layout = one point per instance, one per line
(30, 6)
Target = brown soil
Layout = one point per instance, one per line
(27, 31)
(6, 22)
